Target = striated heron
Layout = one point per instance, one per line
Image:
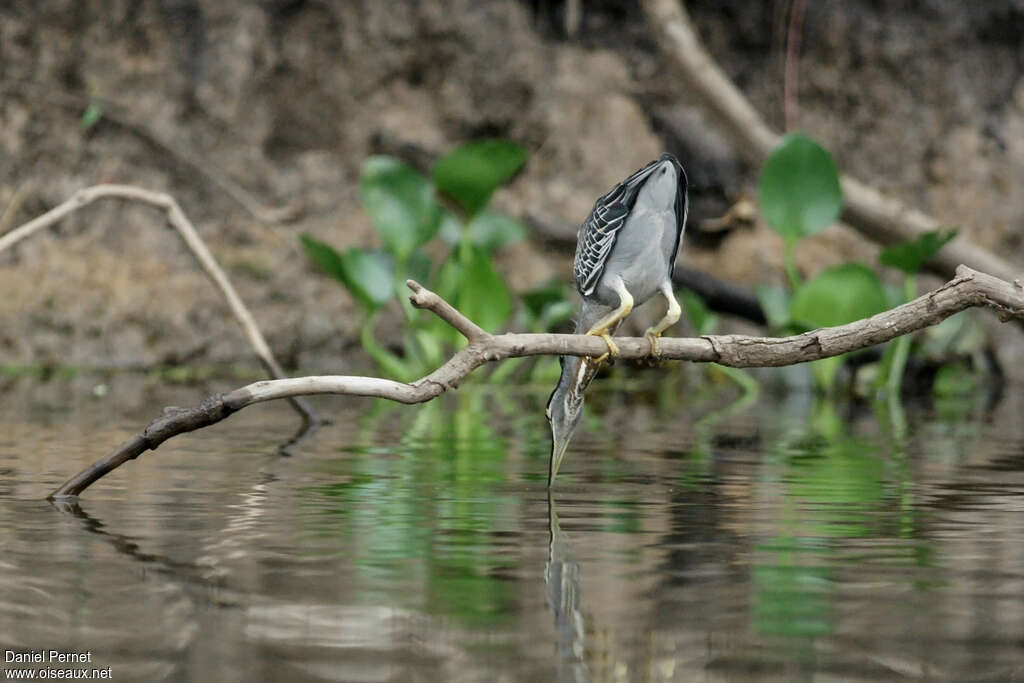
(625, 251)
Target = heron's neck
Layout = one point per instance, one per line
(574, 374)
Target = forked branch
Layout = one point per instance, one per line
(968, 289)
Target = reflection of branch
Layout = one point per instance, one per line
(879, 218)
(305, 432)
(177, 219)
(969, 288)
(129, 548)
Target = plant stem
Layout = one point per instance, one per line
(899, 359)
(388, 362)
(790, 264)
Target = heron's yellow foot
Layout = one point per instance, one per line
(652, 338)
(613, 350)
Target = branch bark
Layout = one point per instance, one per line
(177, 220)
(880, 218)
(969, 288)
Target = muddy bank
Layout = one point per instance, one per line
(286, 99)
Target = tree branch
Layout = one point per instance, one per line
(969, 288)
(880, 218)
(177, 219)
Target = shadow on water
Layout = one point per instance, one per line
(784, 539)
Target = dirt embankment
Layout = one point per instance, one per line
(286, 99)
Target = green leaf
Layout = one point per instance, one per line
(401, 204)
(555, 314)
(775, 303)
(325, 256)
(367, 274)
(697, 312)
(800, 192)
(418, 268)
(471, 173)
(451, 228)
(483, 296)
(91, 116)
(493, 231)
(539, 298)
(838, 295)
(910, 256)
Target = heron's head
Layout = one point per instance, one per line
(565, 407)
(659, 191)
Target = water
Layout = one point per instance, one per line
(782, 540)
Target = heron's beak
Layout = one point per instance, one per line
(558, 447)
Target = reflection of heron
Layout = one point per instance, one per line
(562, 579)
(624, 256)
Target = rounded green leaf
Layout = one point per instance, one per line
(369, 276)
(483, 295)
(400, 203)
(800, 192)
(910, 256)
(471, 173)
(324, 255)
(774, 302)
(838, 295)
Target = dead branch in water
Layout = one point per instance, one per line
(968, 289)
(177, 220)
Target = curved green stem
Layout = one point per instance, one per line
(790, 264)
(898, 366)
(388, 362)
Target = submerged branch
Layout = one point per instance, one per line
(177, 220)
(968, 289)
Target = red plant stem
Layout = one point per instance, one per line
(789, 96)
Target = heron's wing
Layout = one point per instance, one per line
(682, 208)
(598, 233)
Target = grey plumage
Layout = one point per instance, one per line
(597, 235)
(624, 255)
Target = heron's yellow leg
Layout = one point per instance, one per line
(670, 319)
(601, 327)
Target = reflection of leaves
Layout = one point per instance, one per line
(800, 192)
(450, 542)
(471, 173)
(792, 593)
(400, 203)
(910, 256)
